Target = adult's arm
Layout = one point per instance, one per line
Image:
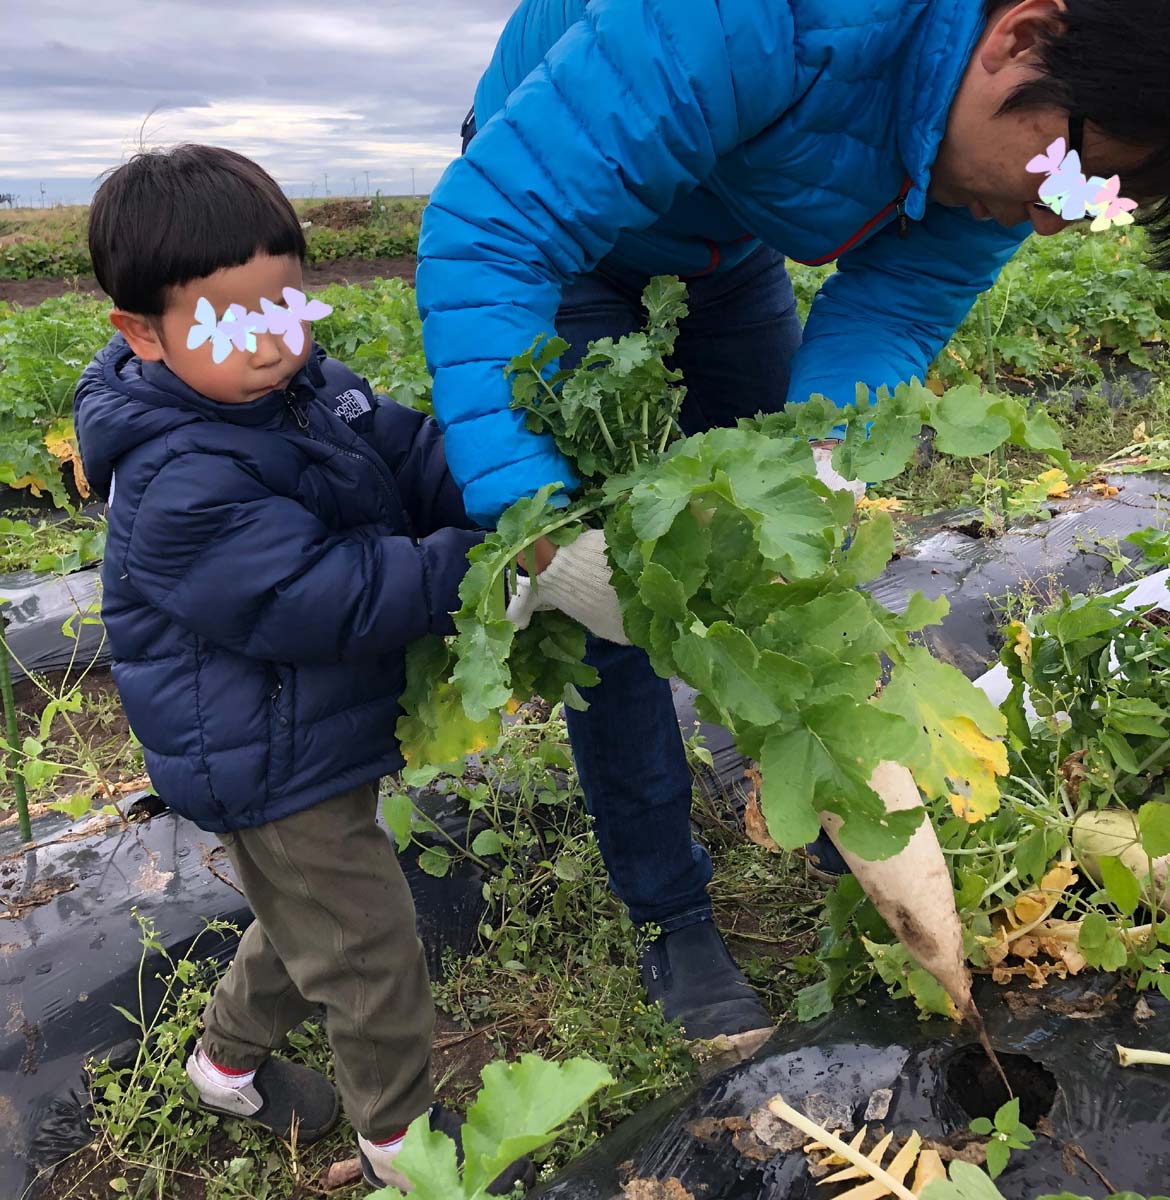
(894, 302)
(630, 109)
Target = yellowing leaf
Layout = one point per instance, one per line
(1139, 432)
(1020, 641)
(61, 442)
(1056, 483)
(34, 485)
(1106, 490)
(957, 754)
(975, 762)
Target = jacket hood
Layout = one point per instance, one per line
(122, 402)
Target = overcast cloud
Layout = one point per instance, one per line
(336, 86)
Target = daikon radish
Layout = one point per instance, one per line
(912, 890)
(1114, 833)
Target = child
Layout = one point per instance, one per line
(277, 535)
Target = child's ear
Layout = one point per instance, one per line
(140, 333)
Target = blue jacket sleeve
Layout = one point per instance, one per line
(259, 574)
(894, 302)
(629, 110)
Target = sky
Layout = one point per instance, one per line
(332, 88)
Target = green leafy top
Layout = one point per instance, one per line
(737, 570)
(519, 1109)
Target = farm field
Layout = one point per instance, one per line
(43, 252)
(1054, 393)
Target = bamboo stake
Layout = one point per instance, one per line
(12, 733)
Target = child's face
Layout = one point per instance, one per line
(241, 376)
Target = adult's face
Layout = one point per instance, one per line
(982, 163)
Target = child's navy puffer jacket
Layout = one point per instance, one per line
(267, 564)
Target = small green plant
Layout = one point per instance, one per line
(518, 1110)
(556, 968)
(1005, 1133)
(59, 547)
(142, 1114)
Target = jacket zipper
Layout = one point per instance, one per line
(317, 436)
(898, 204)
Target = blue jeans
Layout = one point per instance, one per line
(734, 350)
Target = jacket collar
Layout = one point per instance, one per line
(936, 57)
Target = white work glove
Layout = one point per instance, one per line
(831, 477)
(576, 582)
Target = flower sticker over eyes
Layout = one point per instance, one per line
(205, 329)
(287, 321)
(1066, 191)
(238, 327)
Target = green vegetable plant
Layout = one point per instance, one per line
(1075, 850)
(737, 570)
(518, 1110)
(968, 1182)
(1005, 1133)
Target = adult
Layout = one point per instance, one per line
(614, 140)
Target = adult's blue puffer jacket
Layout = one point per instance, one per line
(265, 567)
(677, 135)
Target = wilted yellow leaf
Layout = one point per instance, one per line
(61, 442)
(755, 826)
(1139, 432)
(1106, 490)
(1031, 906)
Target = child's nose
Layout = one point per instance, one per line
(267, 352)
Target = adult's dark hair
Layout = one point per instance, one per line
(1110, 60)
(169, 216)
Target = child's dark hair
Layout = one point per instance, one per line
(1110, 61)
(169, 216)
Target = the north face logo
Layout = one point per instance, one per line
(350, 405)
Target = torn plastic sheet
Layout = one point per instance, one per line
(719, 1142)
(36, 611)
(70, 950)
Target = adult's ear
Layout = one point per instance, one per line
(140, 333)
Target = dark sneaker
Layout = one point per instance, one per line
(281, 1094)
(379, 1169)
(696, 982)
(825, 861)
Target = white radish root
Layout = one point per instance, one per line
(1114, 833)
(912, 890)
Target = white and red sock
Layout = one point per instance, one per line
(218, 1076)
(391, 1145)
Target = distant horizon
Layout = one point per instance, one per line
(50, 204)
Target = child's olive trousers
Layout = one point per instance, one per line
(334, 926)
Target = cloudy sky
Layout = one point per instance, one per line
(340, 87)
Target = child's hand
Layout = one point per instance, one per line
(577, 582)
